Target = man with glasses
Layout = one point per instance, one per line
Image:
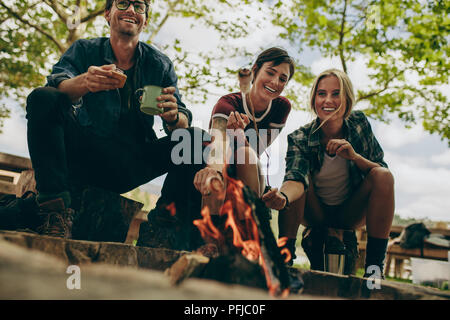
(85, 127)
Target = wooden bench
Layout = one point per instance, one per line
(398, 255)
(16, 175)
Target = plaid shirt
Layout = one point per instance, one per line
(305, 153)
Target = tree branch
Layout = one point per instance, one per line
(60, 46)
(386, 87)
(58, 10)
(341, 38)
(92, 15)
(172, 6)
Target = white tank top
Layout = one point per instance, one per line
(332, 182)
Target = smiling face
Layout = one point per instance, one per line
(126, 22)
(270, 80)
(328, 99)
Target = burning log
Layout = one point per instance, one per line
(275, 269)
(246, 246)
(234, 268)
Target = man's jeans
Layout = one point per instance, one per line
(66, 156)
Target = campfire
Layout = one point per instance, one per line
(240, 245)
(239, 237)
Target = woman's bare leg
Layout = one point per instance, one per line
(306, 211)
(373, 204)
(249, 171)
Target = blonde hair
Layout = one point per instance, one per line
(346, 92)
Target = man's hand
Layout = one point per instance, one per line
(101, 78)
(274, 199)
(169, 104)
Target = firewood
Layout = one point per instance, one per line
(104, 216)
(189, 265)
(26, 182)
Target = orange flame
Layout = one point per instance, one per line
(206, 226)
(285, 251)
(245, 230)
(171, 208)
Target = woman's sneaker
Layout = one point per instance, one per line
(56, 219)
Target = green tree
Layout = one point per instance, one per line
(404, 44)
(35, 33)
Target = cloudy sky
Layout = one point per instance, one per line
(419, 161)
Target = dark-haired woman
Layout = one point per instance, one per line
(253, 117)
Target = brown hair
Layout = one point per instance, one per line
(275, 55)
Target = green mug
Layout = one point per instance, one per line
(149, 104)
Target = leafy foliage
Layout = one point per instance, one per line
(404, 44)
(35, 33)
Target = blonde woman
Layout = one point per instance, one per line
(335, 177)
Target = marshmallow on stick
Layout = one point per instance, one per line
(245, 79)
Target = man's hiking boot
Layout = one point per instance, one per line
(56, 219)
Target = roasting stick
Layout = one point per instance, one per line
(213, 183)
(245, 78)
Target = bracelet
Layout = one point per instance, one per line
(174, 122)
(287, 200)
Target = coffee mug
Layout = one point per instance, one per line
(147, 99)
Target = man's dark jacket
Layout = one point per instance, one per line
(101, 110)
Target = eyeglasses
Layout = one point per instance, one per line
(139, 6)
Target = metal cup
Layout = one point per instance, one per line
(147, 99)
(334, 256)
(334, 263)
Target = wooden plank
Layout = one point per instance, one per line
(428, 253)
(14, 163)
(9, 176)
(188, 266)
(399, 229)
(7, 188)
(397, 251)
(8, 179)
(26, 182)
(445, 232)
